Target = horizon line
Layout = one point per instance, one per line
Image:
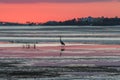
(58, 20)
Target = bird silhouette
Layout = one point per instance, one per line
(61, 42)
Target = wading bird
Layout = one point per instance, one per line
(61, 42)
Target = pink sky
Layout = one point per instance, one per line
(44, 10)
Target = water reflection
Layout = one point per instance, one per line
(62, 50)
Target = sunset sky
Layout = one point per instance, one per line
(44, 10)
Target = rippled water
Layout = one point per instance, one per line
(84, 34)
(91, 53)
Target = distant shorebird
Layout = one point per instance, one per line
(61, 42)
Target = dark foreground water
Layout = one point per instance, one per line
(77, 68)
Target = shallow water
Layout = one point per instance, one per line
(84, 34)
(61, 68)
(91, 53)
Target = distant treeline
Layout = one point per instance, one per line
(99, 21)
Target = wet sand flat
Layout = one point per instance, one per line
(56, 62)
(90, 53)
(57, 50)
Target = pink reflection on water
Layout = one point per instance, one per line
(69, 50)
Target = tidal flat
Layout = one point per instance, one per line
(90, 53)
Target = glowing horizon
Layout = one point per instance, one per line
(57, 11)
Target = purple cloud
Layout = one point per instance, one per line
(52, 1)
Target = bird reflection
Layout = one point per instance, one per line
(62, 50)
